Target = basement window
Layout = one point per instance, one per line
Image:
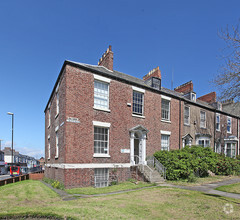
(101, 176)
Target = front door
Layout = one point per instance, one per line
(136, 150)
(138, 145)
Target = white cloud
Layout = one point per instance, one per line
(30, 151)
(37, 153)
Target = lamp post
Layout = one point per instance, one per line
(1, 144)
(10, 113)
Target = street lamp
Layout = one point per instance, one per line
(1, 144)
(10, 113)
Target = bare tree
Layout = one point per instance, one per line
(228, 79)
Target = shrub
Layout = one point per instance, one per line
(196, 160)
(56, 184)
(192, 178)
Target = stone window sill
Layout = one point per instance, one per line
(102, 109)
(101, 155)
(138, 116)
(166, 121)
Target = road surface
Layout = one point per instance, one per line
(3, 177)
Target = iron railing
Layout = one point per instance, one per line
(143, 168)
(153, 162)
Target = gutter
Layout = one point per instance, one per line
(180, 122)
(66, 62)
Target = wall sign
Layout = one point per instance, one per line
(125, 151)
(73, 120)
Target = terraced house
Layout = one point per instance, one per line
(102, 124)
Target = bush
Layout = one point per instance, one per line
(196, 160)
(192, 178)
(54, 183)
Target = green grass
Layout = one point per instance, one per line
(233, 188)
(115, 188)
(201, 181)
(33, 197)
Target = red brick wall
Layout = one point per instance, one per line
(79, 104)
(36, 176)
(209, 98)
(185, 88)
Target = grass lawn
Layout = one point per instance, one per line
(114, 188)
(201, 181)
(233, 188)
(153, 203)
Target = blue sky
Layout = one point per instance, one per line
(37, 36)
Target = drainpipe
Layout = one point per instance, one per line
(214, 134)
(180, 122)
(238, 135)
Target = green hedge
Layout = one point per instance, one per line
(196, 160)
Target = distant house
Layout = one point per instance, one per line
(42, 162)
(2, 162)
(18, 158)
(100, 122)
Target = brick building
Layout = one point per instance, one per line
(100, 122)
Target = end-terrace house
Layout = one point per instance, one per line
(100, 122)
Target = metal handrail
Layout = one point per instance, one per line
(153, 162)
(142, 167)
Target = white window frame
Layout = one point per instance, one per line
(49, 117)
(218, 124)
(101, 177)
(165, 98)
(57, 104)
(193, 96)
(102, 125)
(232, 146)
(140, 91)
(103, 80)
(229, 119)
(49, 148)
(163, 134)
(188, 122)
(218, 148)
(57, 144)
(203, 139)
(202, 121)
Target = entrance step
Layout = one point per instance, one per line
(152, 175)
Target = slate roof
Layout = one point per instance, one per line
(233, 108)
(132, 81)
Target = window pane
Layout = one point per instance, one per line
(101, 177)
(187, 115)
(165, 142)
(101, 96)
(137, 103)
(202, 119)
(165, 109)
(100, 140)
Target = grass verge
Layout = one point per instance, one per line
(232, 188)
(115, 188)
(202, 181)
(30, 196)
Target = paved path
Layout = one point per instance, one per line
(205, 188)
(210, 188)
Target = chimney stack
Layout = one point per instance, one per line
(185, 88)
(209, 98)
(153, 73)
(107, 59)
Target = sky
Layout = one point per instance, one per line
(181, 37)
